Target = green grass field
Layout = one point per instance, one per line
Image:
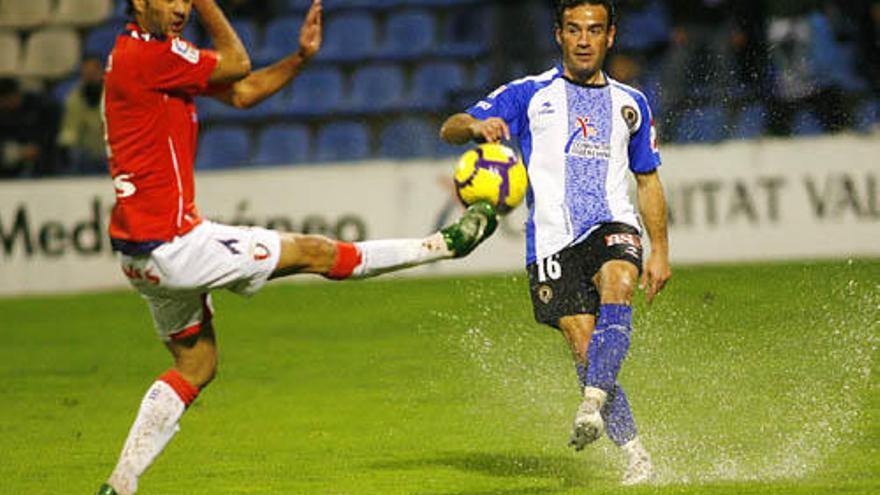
(744, 379)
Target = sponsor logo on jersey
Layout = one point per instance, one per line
(185, 50)
(546, 109)
(588, 129)
(123, 185)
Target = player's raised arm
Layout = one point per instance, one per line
(233, 62)
(463, 127)
(652, 206)
(267, 81)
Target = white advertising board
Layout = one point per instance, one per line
(741, 201)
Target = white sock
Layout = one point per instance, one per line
(634, 449)
(378, 257)
(155, 425)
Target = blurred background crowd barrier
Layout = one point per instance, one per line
(391, 70)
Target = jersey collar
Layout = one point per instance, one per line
(572, 81)
(135, 32)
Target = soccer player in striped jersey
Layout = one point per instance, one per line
(580, 132)
(170, 254)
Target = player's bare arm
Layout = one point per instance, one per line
(233, 62)
(263, 83)
(462, 128)
(652, 206)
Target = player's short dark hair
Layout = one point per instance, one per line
(563, 5)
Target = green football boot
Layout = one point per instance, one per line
(106, 490)
(476, 225)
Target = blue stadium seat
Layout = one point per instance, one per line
(314, 92)
(377, 88)
(100, 40)
(751, 122)
(702, 125)
(222, 148)
(295, 6)
(407, 138)
(643, 29)
(465, 33)
(283, 144)
(212, 110)
(247, 32)
(343, 141)
(806, 123)
(408, 34)
(349, 36)
(867, 115)
(281, 38)
(434, 83)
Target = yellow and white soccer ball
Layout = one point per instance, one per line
(491, 172)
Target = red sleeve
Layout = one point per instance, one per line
(177, 65)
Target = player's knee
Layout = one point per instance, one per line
(307, 253)
(617, 282)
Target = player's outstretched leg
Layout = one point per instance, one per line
(372, 258)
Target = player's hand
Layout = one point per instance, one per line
(492, 130)
(655, 275)
(310, 34)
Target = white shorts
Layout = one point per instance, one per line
(177, 277)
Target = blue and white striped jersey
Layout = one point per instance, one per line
(577, 142)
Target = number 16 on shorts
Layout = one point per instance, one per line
(549, 268)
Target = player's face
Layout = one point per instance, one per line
(165, 17)
(585, 38)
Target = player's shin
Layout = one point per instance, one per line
(619, 422)
(370, 258)
(155, 426)
(608, 346)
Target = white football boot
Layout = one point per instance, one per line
(639, 468)
(588, 423)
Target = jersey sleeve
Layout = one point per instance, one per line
(505, 103)
(177, 65)
(644, 153)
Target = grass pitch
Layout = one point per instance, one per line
(744, 379)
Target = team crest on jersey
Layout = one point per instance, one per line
(185, 50)
(630, 116)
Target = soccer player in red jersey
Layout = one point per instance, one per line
(170, 254)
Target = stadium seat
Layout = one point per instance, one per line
(751, 122)
(702, 125)
(434, 83)
(295, 6)
(80, 13)
(10, 53)
(465, 33)
(212, 110)
(313, 92)
(407, 138)
(343, 141)
(51, 53)
(408, 34)
(283, 144)
(644, 28)
(806, 123)
(377, 88)
(100, 40)
(22, 14)
(247, 32)
(280, 39)
(223, 147)
(349, 36)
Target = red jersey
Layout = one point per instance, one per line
(152, 135)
